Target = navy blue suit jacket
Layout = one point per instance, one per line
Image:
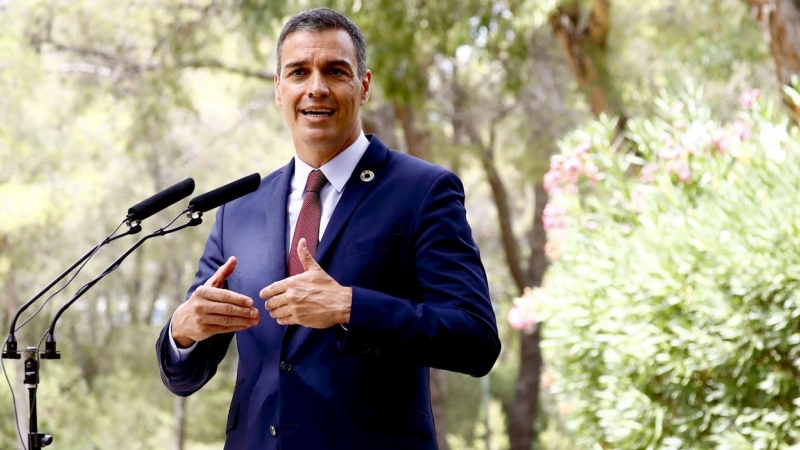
(420, 300)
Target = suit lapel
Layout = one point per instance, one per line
(354, 192)
(276, 201)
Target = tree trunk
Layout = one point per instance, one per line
(380, 121)
(583, 41)
(780, 22)
(522, 431)
(537, 238)
(417, 139)
(509, 241)
(523, 412)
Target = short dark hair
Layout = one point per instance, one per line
(323, 19)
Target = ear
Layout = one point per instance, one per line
(277, 82)
(365, 83)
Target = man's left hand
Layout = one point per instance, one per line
(312, 299)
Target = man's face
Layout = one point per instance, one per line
(320, 93)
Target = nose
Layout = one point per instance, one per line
(317, 87)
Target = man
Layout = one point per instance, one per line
(384, 279)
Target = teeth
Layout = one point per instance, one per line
(318, 113)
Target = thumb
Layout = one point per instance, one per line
(222, 273)
(305, 257)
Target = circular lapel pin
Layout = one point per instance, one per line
(367, 176)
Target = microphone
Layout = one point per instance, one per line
(160, 201)
(225, 194)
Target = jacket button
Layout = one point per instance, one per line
(273, 431)
(286, 367)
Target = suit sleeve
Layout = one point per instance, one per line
(452, 326)
(188, 376)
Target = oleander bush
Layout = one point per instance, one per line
(672, 305)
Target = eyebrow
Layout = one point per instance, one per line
(333, 62)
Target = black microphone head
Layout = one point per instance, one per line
(221, 195)
(160, 201)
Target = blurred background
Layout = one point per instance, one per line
(631, 170)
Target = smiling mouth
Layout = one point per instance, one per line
(317, 112)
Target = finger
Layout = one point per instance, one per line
(282, 312)
(229, 309)
(222, 273)
(286, 321)
(223, 296)
(276, 288)
(283, 316)
(219, 329)
(215, 320)
(305, 257)
(275, 302)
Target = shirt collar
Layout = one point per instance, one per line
(337, 170)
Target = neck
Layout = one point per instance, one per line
(316, 157)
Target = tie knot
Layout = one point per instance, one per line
(316, 179)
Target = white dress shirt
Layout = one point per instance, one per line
(338, 170)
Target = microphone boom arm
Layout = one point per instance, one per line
(11, 343)
(50, 347)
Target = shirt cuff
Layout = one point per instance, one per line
(177, 355)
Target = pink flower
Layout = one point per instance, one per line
(720, 140)
(582, 148)
(670, 150)
(552, 182)
(669, 153)
(684, 172)
(521, 318)
(742, 128)
(552, 249)
(625, 228)
(573, 167)
(591, 171)
(553, 217)
(638, 200)
(648, 173)
(748, 97)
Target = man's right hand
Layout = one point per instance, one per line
(212, 310)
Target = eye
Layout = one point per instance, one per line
(337, 72)
(296, 72)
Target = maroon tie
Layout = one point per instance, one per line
(308, 220)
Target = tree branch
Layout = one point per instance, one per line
(122, 66)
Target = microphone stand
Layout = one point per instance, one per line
(37, 440)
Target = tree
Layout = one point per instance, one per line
(780, 22)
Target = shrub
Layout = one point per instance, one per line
(673, 318)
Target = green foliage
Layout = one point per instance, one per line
(675, 319)
(491, 437)
(104, 103)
